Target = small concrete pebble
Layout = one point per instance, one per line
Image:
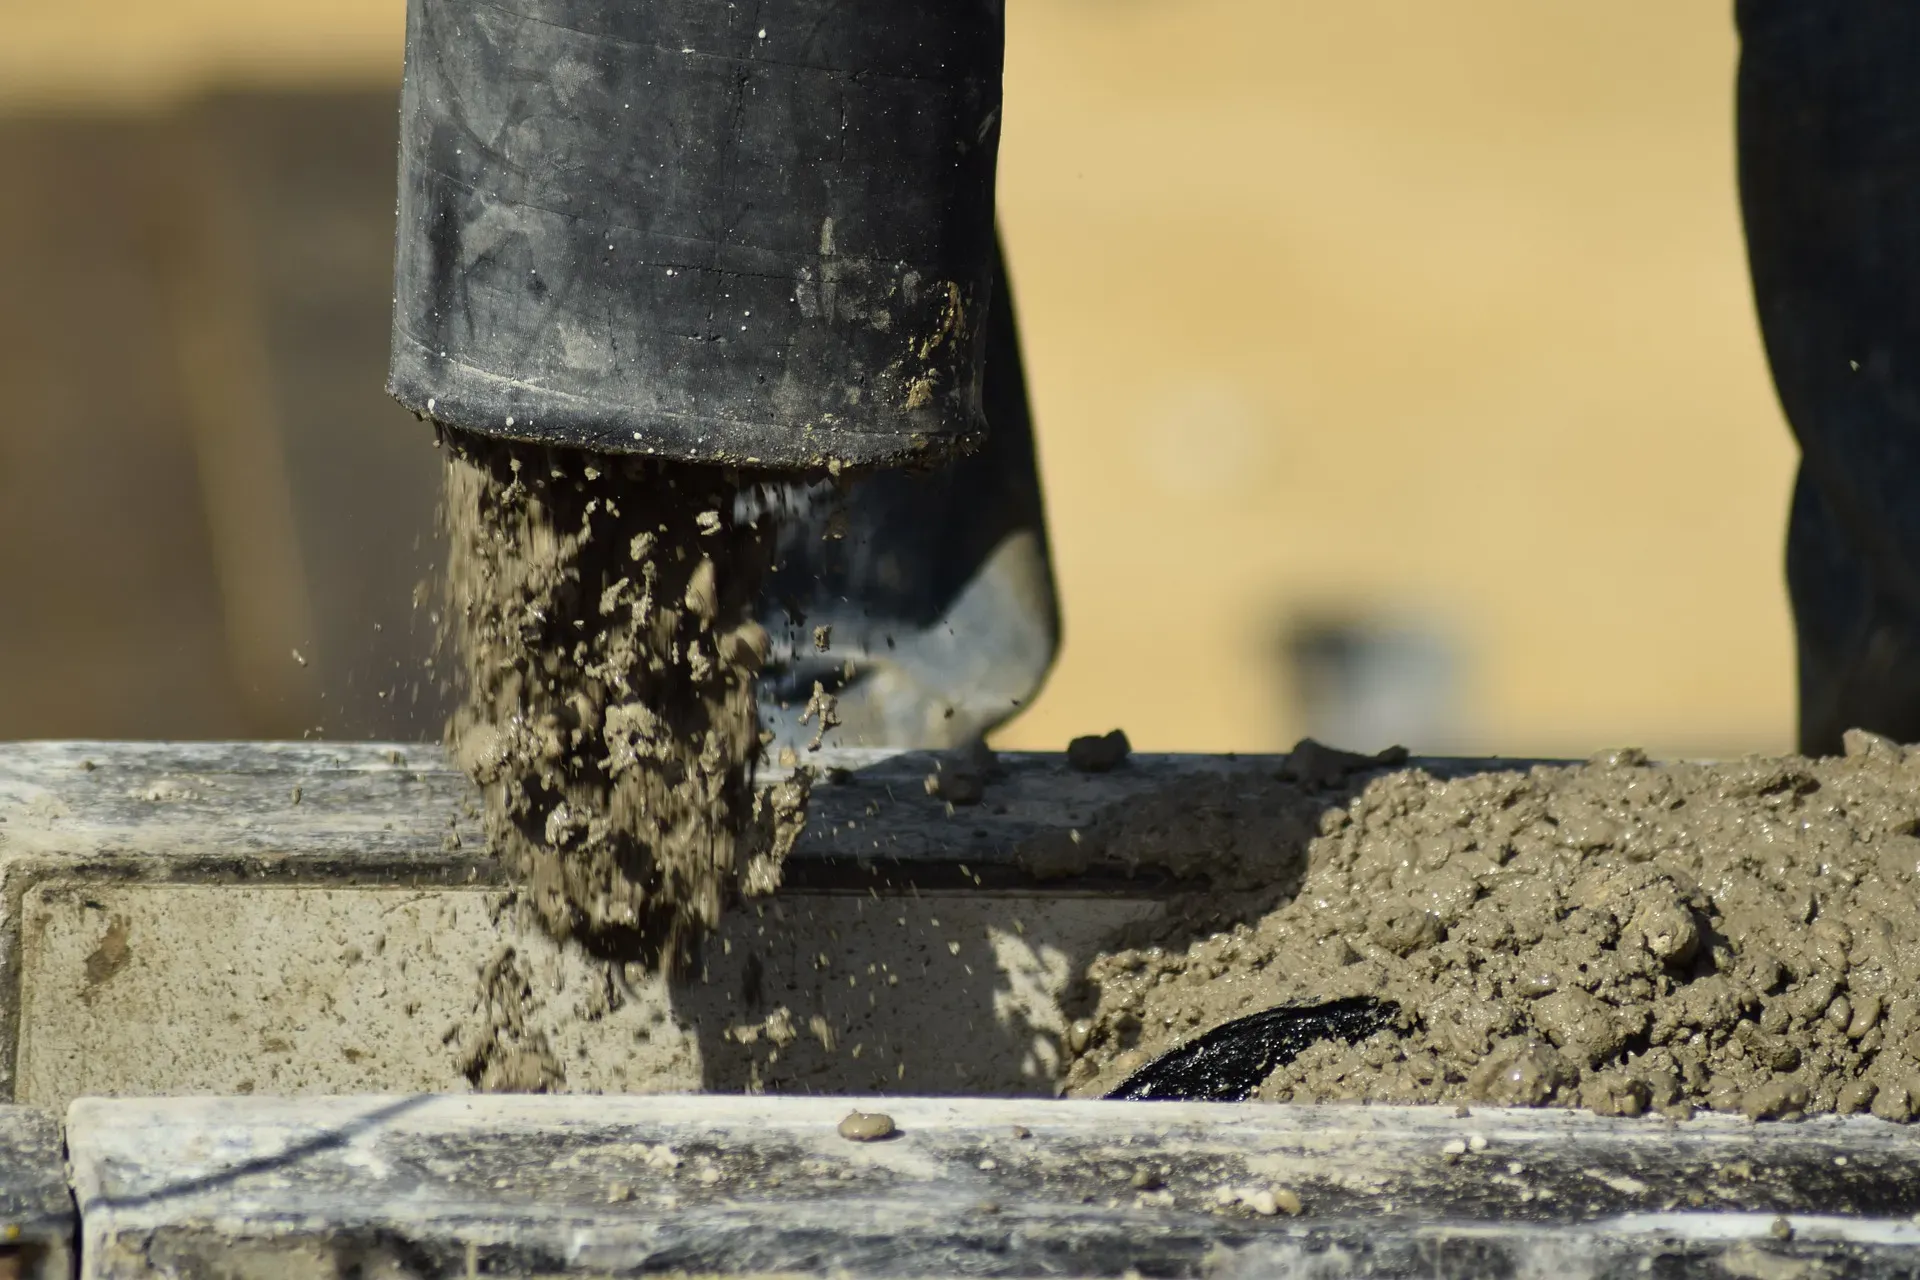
(1265, 1201)
(1098, 753)
(867, 1126)
(1261, 1202)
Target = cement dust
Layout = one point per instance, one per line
(601, 608)
(1613, 935)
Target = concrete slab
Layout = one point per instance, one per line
(549, 1186)
(298, 918)
(38, 1226)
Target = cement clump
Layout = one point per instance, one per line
(1614, 935)
(602, 608)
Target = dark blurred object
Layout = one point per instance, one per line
(202, 474)
(1829, 113)
(667, 229)
(1370, 682)
(1228, 1063)
(932, 590)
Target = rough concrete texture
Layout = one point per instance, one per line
(1617, 935)
(37, 1221)
(202, 988)
(286, 815)
(391, 1187)
(232, 990)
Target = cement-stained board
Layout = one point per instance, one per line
(520, 1185)
(314, 917)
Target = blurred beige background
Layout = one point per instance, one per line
(1393, 364)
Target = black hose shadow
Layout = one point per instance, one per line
(329, 1140)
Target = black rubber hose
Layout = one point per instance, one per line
(756, 233)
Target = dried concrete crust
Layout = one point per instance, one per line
(1613, 935)
(735, 1186)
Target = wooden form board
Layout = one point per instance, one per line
(295, 809)
(202, 917)
(424, 1186)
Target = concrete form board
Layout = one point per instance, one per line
(311, 918)
(421, 1186)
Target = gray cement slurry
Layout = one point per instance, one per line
(527, 1185)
